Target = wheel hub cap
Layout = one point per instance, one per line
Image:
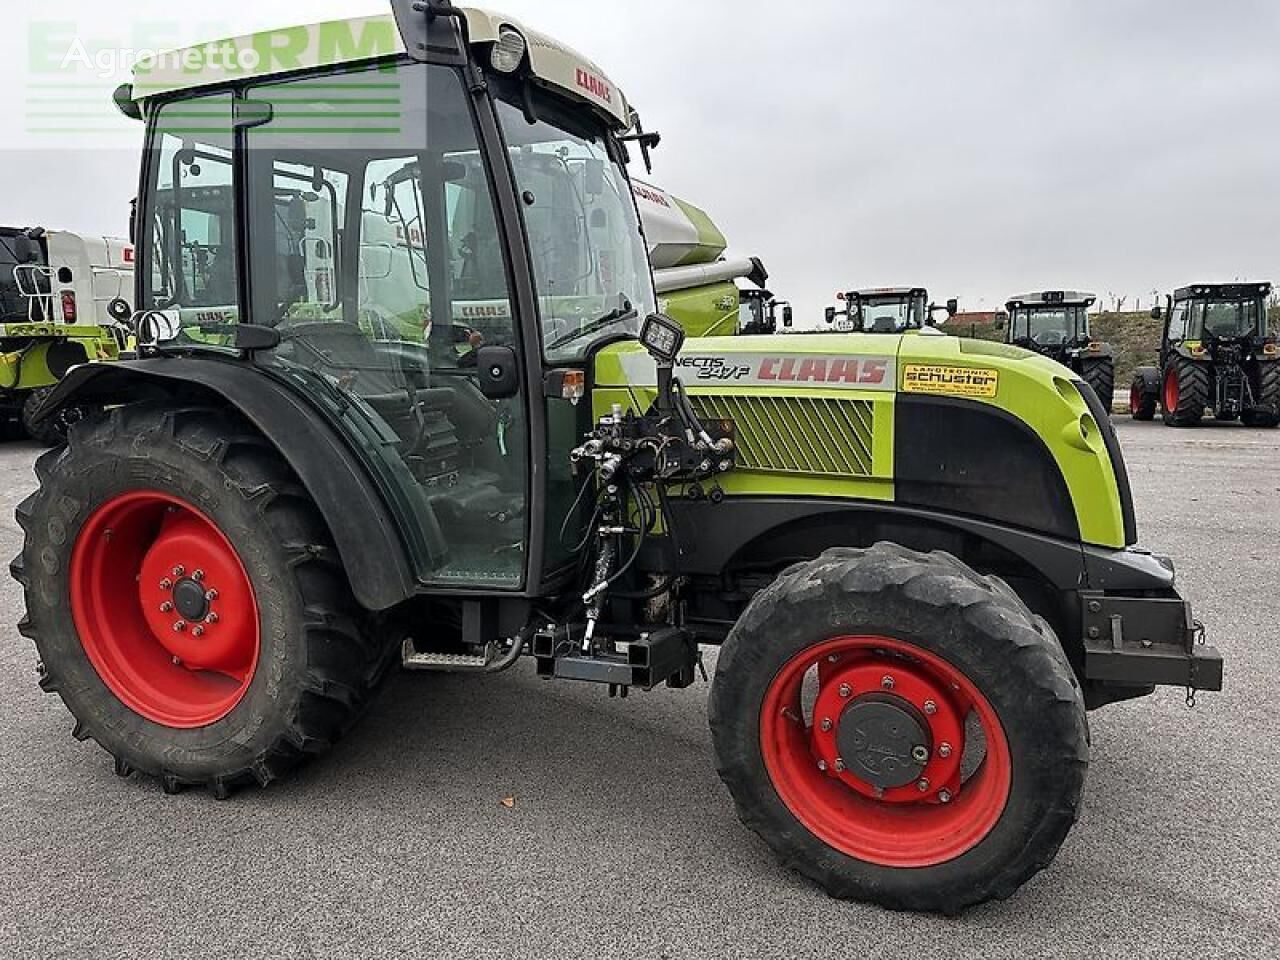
(883, 741)
(189, 600)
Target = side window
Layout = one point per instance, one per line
(1195, 320)
(1178, 321)
(190, 247)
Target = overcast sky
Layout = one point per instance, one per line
(979, 148)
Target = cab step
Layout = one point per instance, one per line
(411, 659)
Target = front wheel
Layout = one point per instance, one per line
(186, 600)
(900, 729)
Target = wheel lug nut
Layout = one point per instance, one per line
(920, 754)
(930, 707)
(179, 626)
(944, 796)
(197, 631)
(822, 765)
(166, 584)
(944, 750)
(179, 570)
(177, 661)
(887, 683)
(922, 784)
(839, 765)
(211, 618)
(198, 575)
(826, 724)
(845, 690)
(166, 607)
(211, 595)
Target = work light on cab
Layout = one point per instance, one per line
(508, 53)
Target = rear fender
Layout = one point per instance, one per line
(373, 552)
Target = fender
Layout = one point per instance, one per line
(734, 528)
(370, 543)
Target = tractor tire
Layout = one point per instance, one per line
(1101, 376)
(1184, 392)
(915, 654)
(187, 602)
(51, 432)
(1144, 393)
(1267, 413)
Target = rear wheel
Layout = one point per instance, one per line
(1185, 392)
(187, 602)
(1100, 374)
(1266, 413)
(900, 729)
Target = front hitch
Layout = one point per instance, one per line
(1144, 641)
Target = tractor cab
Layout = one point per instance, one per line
(886, 310)
(1055, 324)
(1217, 352)
(1051, 323)
(758, 312)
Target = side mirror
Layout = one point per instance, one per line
(788, 316)
(953, 307)
(1157, 313)
(831, 314)
(499, 370)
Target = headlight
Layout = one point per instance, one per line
(508, 53)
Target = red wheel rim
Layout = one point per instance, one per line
(164, 609)
(1135, 400)
(904, 826)
(1171, 391)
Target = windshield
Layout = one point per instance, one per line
(890, 314)
(589, 258)
(1046, 325)
(1232, 318)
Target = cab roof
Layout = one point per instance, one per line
(1053, 298)
(1223, 291)
(361, 39)
(873, 292)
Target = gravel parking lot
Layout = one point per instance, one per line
(621, 841)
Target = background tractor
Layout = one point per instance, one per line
(64, 300)
(887, 310)
(915, 553)
(1216, 353)
(1055, 324)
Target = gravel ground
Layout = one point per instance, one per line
(621, 841)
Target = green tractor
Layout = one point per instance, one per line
(1217, 353)
(1055, 324)
(888, 310)
(915, 554)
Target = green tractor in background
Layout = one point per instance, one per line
(888, 310)
(915, 553)
(1217, 353)
(1055, 324)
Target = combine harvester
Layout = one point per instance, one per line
(695, 279)
(64, 299)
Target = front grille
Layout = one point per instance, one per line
(823, 437)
